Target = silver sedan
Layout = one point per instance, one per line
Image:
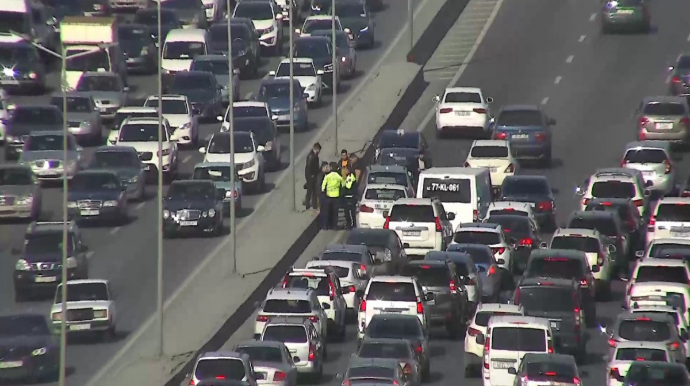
(106, 89)
(83, 117)
(272, 362)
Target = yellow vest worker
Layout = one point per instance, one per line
(349, 183)
(332, 183)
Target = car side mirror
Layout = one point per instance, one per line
(219, 118)
(671, 68)
(202, 150)
(579, 191)
(236, 71)
(647, 192)
(512, 371)
(552, 121)
(429, 296)
(489, 100)
(279, 16)
(436, 99)
(297, 31)
(596, 268)
(125, 89)
(639, 254)
(325, 306)
(612, 249)
(543, 245)
(359, 293)
(271, 73)
(500, 261)
(319, 72)
(451, 216)
(385, 213)
(480, 339)
(513, 242)
(261, 148)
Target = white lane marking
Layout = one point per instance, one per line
(582, 38)
(570, 59)
(558, 80)
(545, 101)
(468, 59)
(248, 96)
(139, 205)
(594, 16)
(688, 38)
(114, 230)
(668, 79)
(186, 158)
(89, 254)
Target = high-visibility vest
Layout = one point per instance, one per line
(349, 184)
(332, 183)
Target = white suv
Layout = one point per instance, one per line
(267, 18)
(615, 183)
(494, 154)
(301, 302)
(391, 294)
(142, 134)
(653, 159)
(249, 159)
(670, 219)
(493, 237)
(178, 111)
(305, 72)
(376, 201)
(421, 224)
(463, 110)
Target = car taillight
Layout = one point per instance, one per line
(314, 319)
(576, 380)
(351, 289)
(407, 370)
(630, 288)
(613, 373)
(500, 135)
(220, 377)
(418, 349)
(470, 281)
(492, 270)
(466, 165)
(479, 111)
(331, 290)
(583, 282)
(366, 209)
(624, 162)
(475, 215)
(286, 280)
(638, 202)
(498, 250)
(585, 201)
(545, 205)
(651, 224)
(438, 225)
(642, 135)
(279, 376)
(516, 296)
(685, 122)
(673, 345)
(576, 311)
(613, 342)
(420, 308)
(643, 121)
(600, 259)
(452, 287)
(445, 110)
(191, 382)
(675, 79)
(312, 352)
(487, 344)
(668, 167)
(473, 331)
(387, 223)
(510, 169)
(526, 242)
(262, 318)
(363, 305)
(486, 364)
(541, 137)
(550, 347)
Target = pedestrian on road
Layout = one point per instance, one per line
(311, 174)
(332, 183)
(350, 198)
(344, 162)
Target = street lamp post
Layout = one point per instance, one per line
(231, 72)
(159, 249)
(292, 108)
(410, 15)
(334, 87)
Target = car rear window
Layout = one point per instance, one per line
(525, 187)
(605, 226)
(585, 244)
(561, 267)
(392, 291)
(480, 254)
(661, 273)
(520, 118)
(673, 315)
(649, 374)
(213, 368)
(282, 306)
(658, 250)
(412, 213)
(546, 299)
(320, 284)
(641, 354)
(387, 178)
(623, 211)
(664, 109)
(518, 339)
(384, 194)
(613, 189)
(645, 330)
(645, 156)
(384, 350)
(262, 354)
(427, 276)
(341, 272)
(471, 237)
(342, 256)
(371, 372)
(462, 97)
(448, 189)
(672, 299)
(482, 318)
(285, 334)
(554, 370)
(489, 152)
(510, 224)
(673, 213)
(395, 328)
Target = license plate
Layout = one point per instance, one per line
(380, 207)
(462, 113)
(664, 126)
(9, 81)
(503, 365)
(679, 234)
(89, 212)
(555, 325)
(147, 167)
(648, 174)
(45, 279)
(11, 365)
(80, 327)
(412, 233)
(519, 136)
(493, 170)
(188, 223)
(625, 11)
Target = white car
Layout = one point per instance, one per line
(178, 111)
(248, 157)
(304, 301)
(463, 110)
(142, 135)
(659, 270)
(421, 224)
(490, 235)
(662, 246)
(659, 293)
(244, 109)
(376, 202)
(267, 18)
(352, 279)
(320, 23)
(90, 306)
(494, 154)
(617, 183)
(306, 74)
(654, 160)
(129, 112)
(628, 352)
(670, 219)
(515, 208)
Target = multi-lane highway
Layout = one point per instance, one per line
(126, 255)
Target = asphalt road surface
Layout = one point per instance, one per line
(126, 255)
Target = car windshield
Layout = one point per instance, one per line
(48, 143)
(220, 32)
(644, 329)
(651, 375)
(215, 67)
(371, 372)
(525, 187)
(641, 353)
(518, 339)
(397, 328)
(451, 190)
(511, 224)
(170, 106)
(254, 10)
(214, 173)
(23, 325)
(46, 243)
(94, 181)
(387, 350)
(98, 83)
(220, 144)
(36, 115)
(191, 81)
(134, 132)
(605, 226)
(673, 212)
(428, 276)
(270, 91)
(94, 61)
(192, 191)
(482, 318)
(645, 156)
(462, 97)
(480, 254)
(183, 50)
(121, 116)
(658, 249)
(225, 368)
(262, 128)
(387, 178)
(298, 69)
(341, 39)
(393, 139)
(341, 272)
(560, 267)
(477, 237)
(74, 104)
(287, 306)
(319, 284)
(392, 292)
(489, 152)
(83, 292)
(683, 62)
(318, 25)
(263, 354)
(285, 334)
(133, 36)
(412, 213)
(114, 159)
(150, 17)
(671, 274)
(381, 194)
(584, 244)
(309, 48)
(16, 176)
(546, 299)
(657, 108)
(246, 112)
(520, 118)
(350, 10)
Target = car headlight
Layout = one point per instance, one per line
(22, 265)
(211, 212)
(249, 164)
(85, 125)
(25, 200)
(110, 203)
(165, 152)
(270, 29)
(204, 214)
(32, 75)
(164, 71)
(56, 316)
(365, 29)
(328, 67)
(71, 263)
(100, 314)
(39, 351)
(312, 87)
(134, 180)
(166, 214)
(71, 204)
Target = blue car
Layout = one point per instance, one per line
(97, 195)
(528, 129)
(276, 93)
(486, 265)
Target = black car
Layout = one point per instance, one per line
(356, 21)
(320, 50)
(39, 266)
(405, 157)
(558, 300)
(400, 139)
(23, 120)
(523, 230)
(266, 135)
(534, 189)
(97, 195)
(24, 70)
(245, 49)
(202, 90)
(149, 18)
(384, 244)
(190, 12)
(633, 224)
(450, 306)
(610, 226)
(29, 352)
(655, 373)
(138, 47)
(193, 206)
(62, 8)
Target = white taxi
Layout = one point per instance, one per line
(376, 202)
(494, 154)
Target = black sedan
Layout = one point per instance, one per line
(245, 50)
(139, 48)
(356, 21)
(29, 352)
(319, 49)
(535, 190)
(97, 195)
(193, 206)
(202, 90)
(523, 230)
(23, 120)
(149, 18)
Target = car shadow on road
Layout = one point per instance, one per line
(437, 351)
(49, 380)
(435, 377)
(94, 339)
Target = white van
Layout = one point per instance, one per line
(508, 339)
(181, 47)
(29, 18)
(466, 192)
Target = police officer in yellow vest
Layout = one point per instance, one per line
(331, 185)
(349, 198)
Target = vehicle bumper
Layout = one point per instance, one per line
(677, 137)
(30, 368)
(498, 177)
(283, 120)
(370, 221)
(137, 64)
(351, 301)
(22, 84)
(128, 4)
(680, 88)
(269, 40)
(456, 124)
(312, 95)
(52, 174)
(30, 281)
(521, 255)
(204, 224)
(16, 211)
(419, 251)
(84, 326)
(103, 213)
(440, 315)
(529, 151)
(306, 367)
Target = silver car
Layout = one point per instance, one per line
(655, 160)
(375, 370)
(106, 89)
(665, 118)
(20, 193)
(43, 152)
(83, 117)
(218, 66)
(399, 350)
(272, 362)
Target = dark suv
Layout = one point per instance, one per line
(633, 224)
(449, 305)
(611, 227)
(533, 189)
(40, 264)
(558, 300)
(566, 264)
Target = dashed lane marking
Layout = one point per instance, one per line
(594, 16)
(89, 254)
(186, 158)
(558, 80)
(248, 96)
(114, 230)
(582, 38)
(545, 101)
(688, 39)
(139, 205)
(570, 59)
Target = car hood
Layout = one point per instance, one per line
(106, 97)
(29, 156)
(355, 24)
(25, 129)
(262, 24)
(16, 190)
(177, 120)
(196, 96)
(23, 345)
(279, 103)
(79, 117)
(145, 146)
(240, 158)
(175, 204)
(103, 195)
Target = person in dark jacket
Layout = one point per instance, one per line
(311, 173)
(325, 169)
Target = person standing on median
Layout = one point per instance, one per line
(350, 198)
(332, 183)
(311, 175)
